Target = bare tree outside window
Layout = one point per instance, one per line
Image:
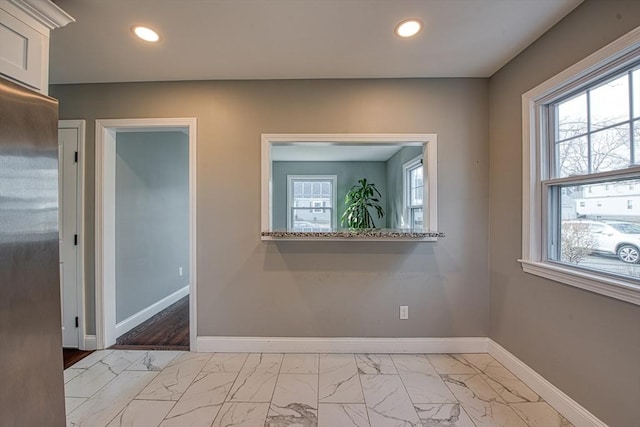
(594, 130)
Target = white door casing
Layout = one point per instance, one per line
(105, 174)
(70, 189)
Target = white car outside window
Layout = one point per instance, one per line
(618, 238)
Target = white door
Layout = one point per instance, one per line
(68, 192)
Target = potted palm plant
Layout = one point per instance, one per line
(359, 199)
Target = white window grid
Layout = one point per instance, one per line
(553, 183)
(309, 198)
(539, 178)
(411, 209)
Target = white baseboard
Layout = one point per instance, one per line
(340, 345)
(89, 342)
(147, 313)
(568, 407)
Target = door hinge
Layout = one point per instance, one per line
(75, 240)
(77, 321)
(75, 157)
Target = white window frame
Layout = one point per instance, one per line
(406, 189)
(535, 170)
(334, 196)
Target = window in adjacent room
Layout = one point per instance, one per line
(311, 201)
(413, 193)
(582, 130)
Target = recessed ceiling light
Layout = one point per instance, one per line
(145, 33)
(408, 28)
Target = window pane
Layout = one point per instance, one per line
(636, 140)
(417, 221)
(636, 93)
(307, 188)
(416, 196)
(609, 103)
(416, 177)
(316, 219)
(416, 186)
(297, 188)
(572, 117)
(600, 229)
(610, 149)
(326, 189)
(572, 157)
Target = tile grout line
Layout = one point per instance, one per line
(273, 392)
(495, 380)
(112, 352)
(451, 391)
(134, 397)
(82, 373)
(366, 408)
(413, 405)
(230, 388)
(482, 372)
(187, 388)
(99, 389)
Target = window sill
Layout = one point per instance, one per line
(603, 285)
(374, 234)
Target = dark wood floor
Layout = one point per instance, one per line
(72, 355)
(167, 330)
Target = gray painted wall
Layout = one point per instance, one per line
(152, 218)
(586, 344)
(247, 287)
(395, 185)
(348, 174)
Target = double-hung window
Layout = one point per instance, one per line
(311, 201)
(582, 173)
(414, 191)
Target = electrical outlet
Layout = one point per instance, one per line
(179, 271)
(404, 312)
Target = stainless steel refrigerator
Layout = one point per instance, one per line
(31, 379)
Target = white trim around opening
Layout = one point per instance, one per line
(429, 143)
(105, 147)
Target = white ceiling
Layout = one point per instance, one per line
(333, 153)
(293, 39)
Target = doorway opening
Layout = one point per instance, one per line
(145, 233)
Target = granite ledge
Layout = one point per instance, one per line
(363, 234)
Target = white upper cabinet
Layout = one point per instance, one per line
(25, 26)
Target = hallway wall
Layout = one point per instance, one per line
(152, 218)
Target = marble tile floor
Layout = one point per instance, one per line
(117, 388)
